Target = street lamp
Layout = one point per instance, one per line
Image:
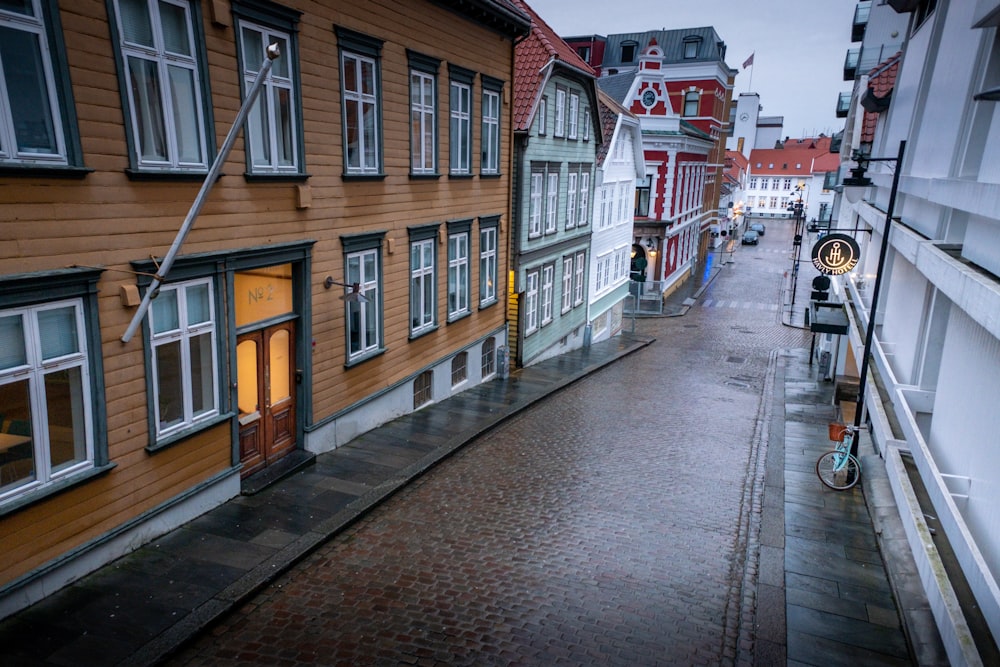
(854, 186)
(354, 296)
(798, 213)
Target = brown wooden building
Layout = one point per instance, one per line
(376, 162)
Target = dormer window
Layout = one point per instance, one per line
(628, 51)
(691, 46)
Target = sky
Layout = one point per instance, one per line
(798, 45)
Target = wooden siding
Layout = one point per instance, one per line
(106, 219)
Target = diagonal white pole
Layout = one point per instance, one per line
(210, 178)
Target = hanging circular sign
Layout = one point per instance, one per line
(835, 254)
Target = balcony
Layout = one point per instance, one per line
(861, 13)
(843, 104)
(851, 63)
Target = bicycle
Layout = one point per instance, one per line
(838, 468)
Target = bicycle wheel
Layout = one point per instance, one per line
(840, 480)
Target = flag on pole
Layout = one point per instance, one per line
(748, 61)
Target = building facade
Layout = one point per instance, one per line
(935, 357)
(375, 166)
(556, 133)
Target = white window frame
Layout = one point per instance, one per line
(355, 264)
(573, 115)
(567, 284)
(543, 113)
(34, 25)
(488, 359)
(363, 100)
(460, 129)
(547, 293)
(491, 132)
(183, 335)
(691, 98)
(586, 123)
(459, 281)
(487, 265)
(530, 302)
(163, 61)
(571, 179)
(422, 306)
(584, 198)
(551, 202)
(535, 204)
(559, 128)
(580, 265)
(423, 120)
(34, 369)
(276, 83)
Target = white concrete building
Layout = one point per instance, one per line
(619, 165)
(934, 389)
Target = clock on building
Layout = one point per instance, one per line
(648, 98)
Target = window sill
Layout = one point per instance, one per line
(357, 361)
(461, 177)
(424, 177)
(483, 305)
(18, 503)
(459, 316)
(491, 175)
(166, 175)
(276, 177)
(34, 170)
(363, 177)
(171, 440)
(423, 332)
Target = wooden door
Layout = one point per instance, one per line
(265, 362)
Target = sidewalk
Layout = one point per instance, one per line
(139, 608)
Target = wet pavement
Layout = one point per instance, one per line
(648, 501)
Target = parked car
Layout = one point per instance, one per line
(757, 227)
(749, 238)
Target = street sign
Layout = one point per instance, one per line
(835, 254)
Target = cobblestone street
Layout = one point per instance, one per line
(605, 525)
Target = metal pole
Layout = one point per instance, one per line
(870, 334)
(210, 178)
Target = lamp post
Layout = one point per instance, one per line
(860, 181)
(799, 215)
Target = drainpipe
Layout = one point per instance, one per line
(210, 178)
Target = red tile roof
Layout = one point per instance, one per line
(881, 80)
(799, 157)
(530, 58)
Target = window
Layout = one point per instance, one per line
(567, 283)
(548, 286)
(775, 182)
(460, 128)
(423, 113)
(586, 124)
(584, 198)
(490, 164)
(161, 57)
(34, 91)
(530, 302)
(584, 53)
(535, 204)
(691, 100)
(459, 281)
(642, 190)
(459, 368)
(363, 265)
(571, 193)
(488, 261)
(488, 362)
(183, 342)
(580, 265)
(273, 134)
(573, 114)
(628, 51)
(50, 391)
(423, 284)
(752, 184)
(788, 184)
(691, 45)
(360, 86)
(551, 202)
(559, 128)
(543, 112)
(423, 389)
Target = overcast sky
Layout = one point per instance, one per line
(799, 45)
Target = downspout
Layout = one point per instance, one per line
(210, 178)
